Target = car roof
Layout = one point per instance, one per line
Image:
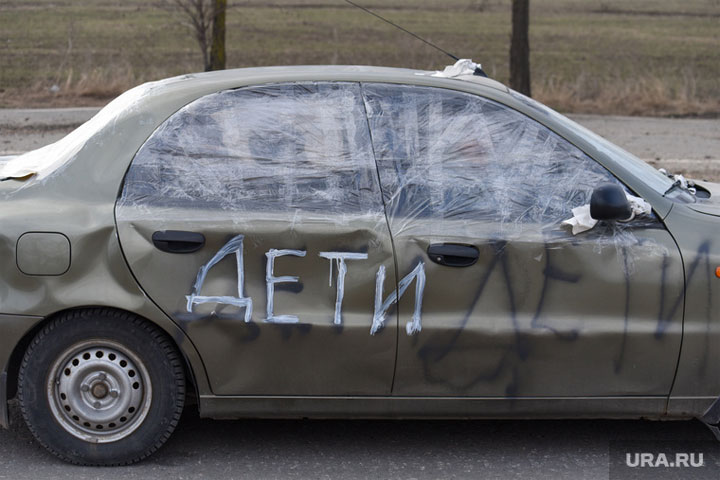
(294, 73)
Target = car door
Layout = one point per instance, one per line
(497, 297)
(253, 217)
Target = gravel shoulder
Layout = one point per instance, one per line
(681, 145)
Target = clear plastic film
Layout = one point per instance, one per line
(456, 164)
(450, 164)
(302, 148)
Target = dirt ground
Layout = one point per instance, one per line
(687, 146)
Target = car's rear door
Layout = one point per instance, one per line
(498, 298)
(253, 217)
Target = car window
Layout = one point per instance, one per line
(650, 175)
(303, 147)
(446, 155)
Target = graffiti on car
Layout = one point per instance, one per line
(381, 307)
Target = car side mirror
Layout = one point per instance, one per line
(609, 202)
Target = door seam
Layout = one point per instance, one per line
(392, 240)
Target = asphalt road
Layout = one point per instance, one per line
(260, 449)
(332, 449)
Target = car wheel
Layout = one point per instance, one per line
(101, 387)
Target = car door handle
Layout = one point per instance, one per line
(453, 254)
(177, 241)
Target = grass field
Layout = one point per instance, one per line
(639, 57)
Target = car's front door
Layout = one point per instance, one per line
(500, 299)
(253, 217)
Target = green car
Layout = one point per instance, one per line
(346, 241)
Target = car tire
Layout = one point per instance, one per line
(101, 387)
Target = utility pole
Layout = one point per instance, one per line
(520, 47)
(217, 49)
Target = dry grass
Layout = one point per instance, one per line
(87, 88)
(99, 83)
(641, 95)
(645, 57)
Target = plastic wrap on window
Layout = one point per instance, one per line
(650, 175)
(299, 148)
(454, 164)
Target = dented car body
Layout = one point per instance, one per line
(368, 242)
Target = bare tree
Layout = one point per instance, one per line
(206, 19)
(520, 47)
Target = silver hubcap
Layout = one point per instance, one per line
(99, 391)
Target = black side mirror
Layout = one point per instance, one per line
(608, 202)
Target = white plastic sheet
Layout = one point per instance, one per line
(47, 159)
(464, 66)
(302, 148)
(456, 164)
(582, 221)
(449, 163)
